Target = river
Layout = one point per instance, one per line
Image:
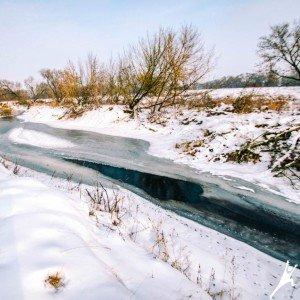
(253, 215)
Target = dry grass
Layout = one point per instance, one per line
(241, 104)
(204, 101)
(250, 102)
(101, 201)
(5, 110)
(190, 147)
(158, 118)
(24, 102)
(55, 281)
(243, 156)
(160, 248)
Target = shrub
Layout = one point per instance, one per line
(243, 104)
(5, 110)
(243, 156)
(10, 90)
(203, 101)
(250, 102)
(161, 68)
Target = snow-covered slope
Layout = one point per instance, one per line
(221, 132)
(48, 227)
(43, 232)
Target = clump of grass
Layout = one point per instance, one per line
(5, 110)
(55, 281)
(160, 248)
(244, 104)
(24, 102)
(158, 118)
(190, 147)
(207, 133)
(16, 169)
(101, 201)
(243, 156)
(204, 101)
(250, 102)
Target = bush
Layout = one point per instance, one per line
(203, 101)
(10, 90)
(161, 68)
(243, 156)
(251, 102)
(5, 110)
(244, 104)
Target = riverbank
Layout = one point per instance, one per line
(45, 233)
(200, 139)
(169, 248)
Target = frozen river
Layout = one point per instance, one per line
(232, 206)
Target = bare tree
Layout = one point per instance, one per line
(85, 82)
(162, 67)
(54, 80)
(35, 89)
(10, 90)
(280, 50)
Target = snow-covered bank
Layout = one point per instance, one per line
(43, 231)
(214, 134)
(54, 228)
(293, 91)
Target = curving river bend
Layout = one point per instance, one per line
(262, 219)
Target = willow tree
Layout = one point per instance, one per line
(161, 68)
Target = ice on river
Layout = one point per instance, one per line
(38, 139)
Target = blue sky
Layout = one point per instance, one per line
(37, 34)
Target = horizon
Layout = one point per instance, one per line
(38, 35)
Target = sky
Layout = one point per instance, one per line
(39, 34)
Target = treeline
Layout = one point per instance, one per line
(249, 80)
(157, 71)
(153, 73)
(279, 52)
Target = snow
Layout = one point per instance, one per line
(45, 228)
(229, 132)
(293, 91)
(39, 139)
(44, 231)
(245, 188)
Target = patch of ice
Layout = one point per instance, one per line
(38, 139)
(245, 188)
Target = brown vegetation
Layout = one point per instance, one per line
(101, 201)
(55, 281)
(190, 147)
(243, 103)
(10, 90)
(5, 110)
(161, 68)
(284, 153)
